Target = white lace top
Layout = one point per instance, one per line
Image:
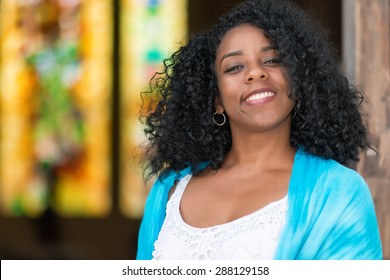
(254, 236)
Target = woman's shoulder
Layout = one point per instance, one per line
(170, 175)
(330, 183)
(328, 171)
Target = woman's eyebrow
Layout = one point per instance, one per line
(267, 48)
(234, 53)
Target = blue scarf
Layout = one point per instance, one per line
(330, 213)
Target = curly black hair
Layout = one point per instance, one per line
(326, 118)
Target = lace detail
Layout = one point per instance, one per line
(254, 236)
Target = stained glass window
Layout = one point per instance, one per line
(55, 100)
(150, 31)
(55, 95)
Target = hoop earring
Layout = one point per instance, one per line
(224, 119)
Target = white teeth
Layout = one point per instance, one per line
(260, 95)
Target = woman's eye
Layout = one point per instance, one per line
(272, 61)
(233, 68)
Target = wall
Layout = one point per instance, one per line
(367, 59)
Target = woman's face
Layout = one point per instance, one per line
(252, 83)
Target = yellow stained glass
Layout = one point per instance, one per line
(150, 31)
(55, 96)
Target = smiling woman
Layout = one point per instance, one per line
(250, 127)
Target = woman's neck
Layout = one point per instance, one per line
(258, 150)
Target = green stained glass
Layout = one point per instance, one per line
(153, 56)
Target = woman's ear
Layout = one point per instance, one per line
(218, 105)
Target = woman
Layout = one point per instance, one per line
(250, 134)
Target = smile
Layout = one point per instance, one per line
(260, 95)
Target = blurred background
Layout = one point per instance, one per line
(71, 73)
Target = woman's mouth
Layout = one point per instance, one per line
(260, 95)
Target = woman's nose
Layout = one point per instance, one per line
(255, 73)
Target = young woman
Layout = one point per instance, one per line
(250, 133)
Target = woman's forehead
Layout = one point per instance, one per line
(240, 36)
